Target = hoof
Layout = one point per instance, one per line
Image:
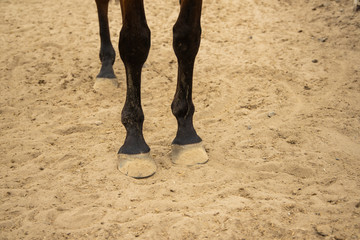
(190, 154)
(105, 84)
(136, 165)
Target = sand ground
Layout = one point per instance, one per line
(277, 96)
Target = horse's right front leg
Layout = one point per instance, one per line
(106, 77)
(134, 45)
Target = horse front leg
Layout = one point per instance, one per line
(134, 45)
(106, 78)
(187, 146)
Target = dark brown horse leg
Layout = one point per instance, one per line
(187, 35)
(134, 45)
(107, 52)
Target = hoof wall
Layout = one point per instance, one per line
(105, 84)
(189, 155)
(136, 165)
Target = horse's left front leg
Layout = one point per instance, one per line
(106, 78)
(134, 45)
(187, 148)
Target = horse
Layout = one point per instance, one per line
(134, 158)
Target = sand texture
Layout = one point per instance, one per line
(277, 97)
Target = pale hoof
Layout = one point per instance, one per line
(105, 84)
(136, 165)
(188, 155)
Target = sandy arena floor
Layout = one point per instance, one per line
(277, 96)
